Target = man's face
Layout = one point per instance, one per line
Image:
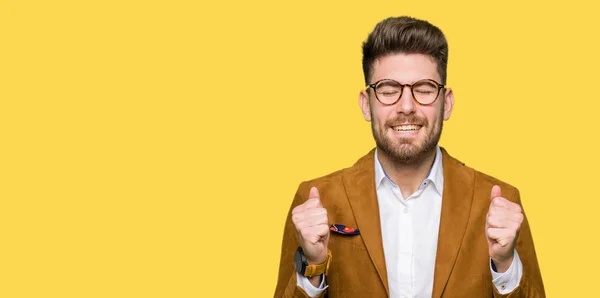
(406, 131)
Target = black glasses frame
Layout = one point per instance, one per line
(374, 87)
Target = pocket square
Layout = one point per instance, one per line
(344, 230)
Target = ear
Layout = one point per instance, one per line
(363, 102)
(448, 103)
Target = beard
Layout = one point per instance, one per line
(408, 150)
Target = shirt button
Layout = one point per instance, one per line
(405, 209)
(503, 286)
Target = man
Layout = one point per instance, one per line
(407, 220)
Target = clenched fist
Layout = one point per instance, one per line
(312, 226)
(502, 227)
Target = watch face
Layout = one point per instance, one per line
(299, 261)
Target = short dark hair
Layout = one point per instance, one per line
(405, 35)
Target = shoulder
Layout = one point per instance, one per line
(333, 184)
(482, 182)
(323, 183)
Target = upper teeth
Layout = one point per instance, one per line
(406, 127)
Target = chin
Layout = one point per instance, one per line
(407, 151)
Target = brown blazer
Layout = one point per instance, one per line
(358, 264)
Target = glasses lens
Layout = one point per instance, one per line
(425, 92)
(388, 91)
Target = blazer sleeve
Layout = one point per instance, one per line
(286, 281)
(530, 285)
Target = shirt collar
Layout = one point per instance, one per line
(435, 175)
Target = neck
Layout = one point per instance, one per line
(407, 175)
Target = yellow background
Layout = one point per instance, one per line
(152, 148)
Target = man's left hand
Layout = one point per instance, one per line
(502, 226)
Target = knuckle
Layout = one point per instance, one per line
(297, 223)
(516, 227)
(494, 222)
(520, 217)
(296, 218)
(323, 230)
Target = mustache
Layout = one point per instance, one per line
(412, 119)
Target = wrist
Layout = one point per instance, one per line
(501, 265)
(315, 280)
(310, 269)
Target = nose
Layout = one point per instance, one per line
(407, 103)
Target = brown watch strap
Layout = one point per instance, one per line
(317, 269)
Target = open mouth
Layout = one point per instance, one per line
(407, 127)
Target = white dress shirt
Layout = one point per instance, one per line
(409, 229)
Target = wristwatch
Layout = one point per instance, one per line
(304, 269)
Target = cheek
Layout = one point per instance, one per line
(434, 115)
(380, 123)
(381, 114)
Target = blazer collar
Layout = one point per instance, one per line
(456, 209)
(359, 183)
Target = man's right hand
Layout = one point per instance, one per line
(312, 226)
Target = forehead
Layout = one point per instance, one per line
(405, 68)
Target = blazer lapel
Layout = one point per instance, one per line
(359, 182)
(456, 208)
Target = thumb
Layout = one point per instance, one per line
(496, 192)
(314, 194)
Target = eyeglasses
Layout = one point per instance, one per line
(388, 92)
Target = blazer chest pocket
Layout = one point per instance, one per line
(339, 241)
